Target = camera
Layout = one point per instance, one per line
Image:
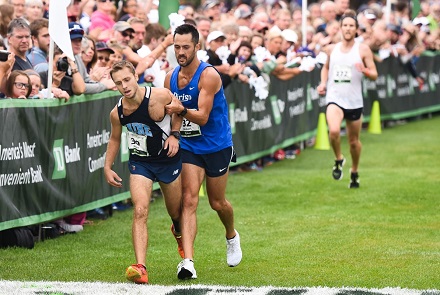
(4, 55)
(62, 64)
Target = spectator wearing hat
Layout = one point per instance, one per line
(212, 10)
(102, 20)
(290, 40)
(215, 40)
(103, 54)
(370, 16)
(243, 15)
(66, 72)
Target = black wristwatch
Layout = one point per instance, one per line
(176, 134)
(183, 113)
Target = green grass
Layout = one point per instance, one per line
(298, 226)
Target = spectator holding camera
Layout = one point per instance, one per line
(65, 74)
(19, 38)
(18, 85)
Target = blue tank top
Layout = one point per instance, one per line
(145, 137)
(216, 134)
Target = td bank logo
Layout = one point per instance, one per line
(64, 155)
(59, 170)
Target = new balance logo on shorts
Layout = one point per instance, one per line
(176, 172)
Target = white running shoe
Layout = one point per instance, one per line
(186, 270)
(233, 250)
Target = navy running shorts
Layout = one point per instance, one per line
(165, 172)
(215, 164)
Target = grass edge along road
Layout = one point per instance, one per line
(299, 227)
(56, 288)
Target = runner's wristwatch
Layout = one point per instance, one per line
(176, 134)
(183, 113)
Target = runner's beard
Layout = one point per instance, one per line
(188, 60)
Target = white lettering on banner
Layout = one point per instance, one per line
(37, 175)
(96, 164)
(23, 150)
(314, 95)
(72, 155)
(295, 94)
(382, 93)
(402, 78)
(31, 175)
(265, 123)
(381, 80)
(369, 85)
(241, 115)
(281, 105)
(258, 106)
(297, 110)
(99, 139)
(29, 150)
(402, 91)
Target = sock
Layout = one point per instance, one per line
(176, 225)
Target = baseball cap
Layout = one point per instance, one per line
(76, 31)
(290, 35)
(421, 21)
(122, 26)
(100, 46)
(369, 14)
(214, 35)
(242, 12)
(394, 28)
(210, 4)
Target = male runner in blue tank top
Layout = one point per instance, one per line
(206, 143)
(153, 142)
(341, 80)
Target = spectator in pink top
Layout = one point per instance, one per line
(102, 20)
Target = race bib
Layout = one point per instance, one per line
(189, 129)
(137, 144)
(342, 74)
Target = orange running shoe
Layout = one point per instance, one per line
(137, 273)
(179, 242)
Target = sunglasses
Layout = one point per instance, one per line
(125, 34)
(103, 1)
(20, 85)
(103, 58)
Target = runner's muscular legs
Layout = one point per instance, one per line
(216, 189)
(353, 132)
(335, 115)
(140, 189)
(192, 178)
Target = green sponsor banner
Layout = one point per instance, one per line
(52, 153)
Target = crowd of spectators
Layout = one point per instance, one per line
(248, 41)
